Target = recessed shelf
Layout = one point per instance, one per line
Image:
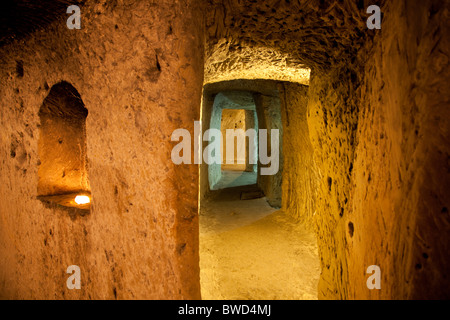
(67, 200)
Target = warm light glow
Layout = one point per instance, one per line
(82, 199)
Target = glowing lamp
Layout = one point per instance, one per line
(82, 200)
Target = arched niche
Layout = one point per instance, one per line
(62, 148)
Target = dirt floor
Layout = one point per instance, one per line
(249, 250)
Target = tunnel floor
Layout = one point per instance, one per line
(250, 251)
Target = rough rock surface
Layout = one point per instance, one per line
(138, 69)
(300, 174)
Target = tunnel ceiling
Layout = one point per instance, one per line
(262, 86)
(283, 36)
(251, 39)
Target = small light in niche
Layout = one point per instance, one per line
(82, 200)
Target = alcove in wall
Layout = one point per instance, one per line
(63, 177)
(235, 111)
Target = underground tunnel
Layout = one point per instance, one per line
(345, 198)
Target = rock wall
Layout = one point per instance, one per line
(207, 108)
(268, 110)
(403, 154)
(251, 122)
(139, 70)
(332, 119)
(300, 175)
(379, 129)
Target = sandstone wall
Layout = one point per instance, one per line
(402, 175)
(207, 108)
(268, 110)
(138, 67)
(379, 129)
(300, 175)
